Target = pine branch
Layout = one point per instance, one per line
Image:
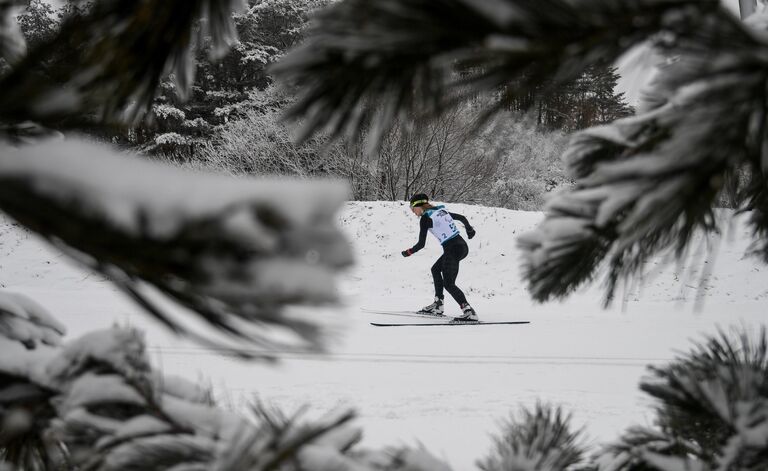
(645, 185)
(540, 439)
(12, 43)
(112, 412)
(716, 398)
(278, 441)
(645, 449)
(235, 252)
(712, 411)
(373, 62)
(756, 195)
(25, 409)
(159, 453)
(24, 320)
(119, 50)
(563, 252)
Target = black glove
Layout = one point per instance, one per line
(470, 232)
(407, 253)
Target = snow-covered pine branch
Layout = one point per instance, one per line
(711, 410)
(12, 44)
(23, 320)
(235, 251)
(639, 448)
(646, 184)
(25, 407)
(120, 50)
(95, 403)
(539, 439)
(372, 62)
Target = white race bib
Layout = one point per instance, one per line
(443, 226)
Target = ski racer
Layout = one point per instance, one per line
(440, 222)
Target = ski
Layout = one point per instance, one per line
(404, 314)
(408, 324)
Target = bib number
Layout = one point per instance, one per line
(443, 226)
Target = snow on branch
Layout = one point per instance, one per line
(118, 350)
(539, 439)
(711, 410)
(24, 320)
(646, 184)
(12, 43)
(25, 407)
(95, 403)
(377, 61)
(234, 251)
(642, 448)
(120, 49)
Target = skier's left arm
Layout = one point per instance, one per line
(463, 220)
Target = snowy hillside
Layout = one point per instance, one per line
(444, 387)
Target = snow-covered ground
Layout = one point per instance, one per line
(444, 387)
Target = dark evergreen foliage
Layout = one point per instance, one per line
(117, 52)
(711, 410)
(589, 100)
(538, 439)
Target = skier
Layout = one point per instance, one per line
(441, 224)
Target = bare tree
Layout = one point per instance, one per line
(445, 158)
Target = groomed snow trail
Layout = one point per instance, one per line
(444, 388)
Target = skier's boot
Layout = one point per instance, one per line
(467, 314)
(434, 309)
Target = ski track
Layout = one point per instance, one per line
(447, 389)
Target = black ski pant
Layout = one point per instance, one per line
(446, 269)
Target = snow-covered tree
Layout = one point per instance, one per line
(224, 89)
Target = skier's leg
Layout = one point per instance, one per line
(436, 308)
(451, 259)
(437, 277)
(458, 252)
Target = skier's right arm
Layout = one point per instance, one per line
(424, 224)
